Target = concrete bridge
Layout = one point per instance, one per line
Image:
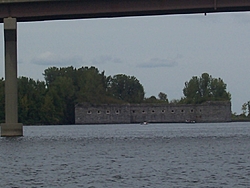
(13, 11)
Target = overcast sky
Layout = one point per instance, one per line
(162, 52)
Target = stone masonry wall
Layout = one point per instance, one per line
(154, 113)
(102, 114)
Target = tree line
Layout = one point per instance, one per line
(245, 115)
(53, 101)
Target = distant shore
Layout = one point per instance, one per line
(240, 119)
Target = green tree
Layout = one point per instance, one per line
(192, 91)
(51, 113)
(175, 101)
(205, 88)
(50, 74)
(61, 84)
(31, 95)
(126, 88)
(91, 85)
(163, 97)
(246, 109)
(62, 92)
(151, 99)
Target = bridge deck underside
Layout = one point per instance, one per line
(75, 9)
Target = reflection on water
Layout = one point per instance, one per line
(154, 155)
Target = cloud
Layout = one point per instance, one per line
(105, 59)
(158, 63)
(49, 58)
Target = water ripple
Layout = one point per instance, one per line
(159, 155)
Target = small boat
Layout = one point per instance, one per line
(190, 121)
(144, 123)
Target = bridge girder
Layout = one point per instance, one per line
(38, 10)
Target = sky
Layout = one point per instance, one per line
(162, 52)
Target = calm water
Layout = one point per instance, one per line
(154, 155)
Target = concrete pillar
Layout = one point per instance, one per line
(11, 127)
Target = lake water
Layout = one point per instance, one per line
(131, 156)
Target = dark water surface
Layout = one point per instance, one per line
(154, 155)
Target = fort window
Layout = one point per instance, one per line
(191, 110)
(117, 111)
(133, 111)
(153, 111)
(182, 111)
(172, 111)
(143, 111)
(163, 111)
(107, 112)
(98, 112)
(89, 112)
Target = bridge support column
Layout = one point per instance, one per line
(11, 127)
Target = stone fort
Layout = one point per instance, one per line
(153, 113)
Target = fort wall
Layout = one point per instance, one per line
(154, 113)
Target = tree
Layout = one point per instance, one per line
(91, 85)
(50, 74)
(191, 91)
(246, 108)
(175, 101)
(61, 84)
(62, 93)
(205, 88)
(126, 88)
(50, 114)
(31, 95)
(163, 97)
(151, 99)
